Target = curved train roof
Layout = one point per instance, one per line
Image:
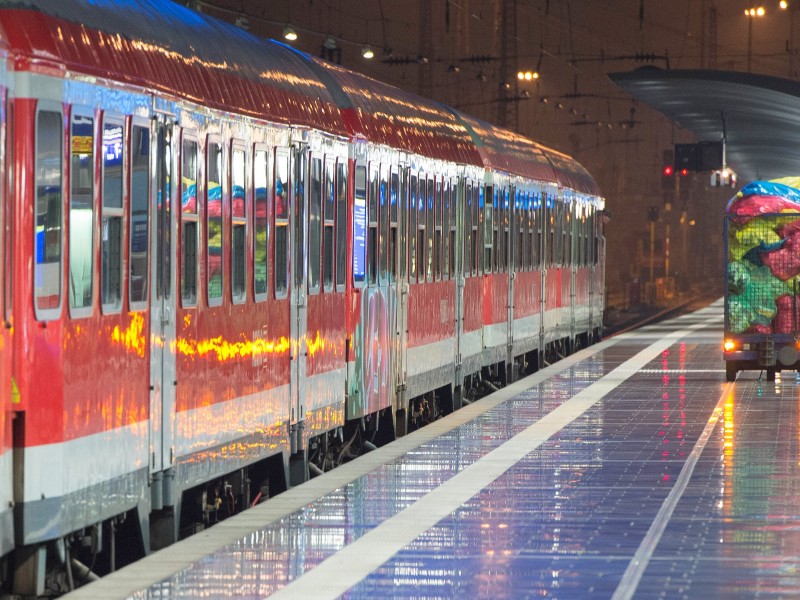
(385, 114)
(170, 48)
(570, 173)
(508, 151)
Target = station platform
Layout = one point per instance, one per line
(630, 469)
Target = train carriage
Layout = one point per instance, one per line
(227, 263)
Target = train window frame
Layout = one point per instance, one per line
(107, 213)
(48, 313)
(214, 141)
(453, 226)
(413, 191)
(144, 126)
(261, 245)
(402, 221)
(489, 241)
(342, 188)
(430, 226)
(280, 229)
(360, 223)
(422, 241)
(373, 216)
(394, 212)
(316, 180)
(438, 204)
(383, 223)
(85, 307)
(328, 224)
(190, 220)
(238, 218)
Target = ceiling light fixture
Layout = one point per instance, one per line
(367, 52)
(289, 33)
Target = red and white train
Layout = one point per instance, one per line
(224, 262)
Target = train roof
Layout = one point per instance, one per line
(384, 114)
(168, 47)
(571, 174)
(507, 151)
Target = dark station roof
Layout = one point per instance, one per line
(761, 114)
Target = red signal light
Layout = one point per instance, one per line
(668, 170)
(684, 172)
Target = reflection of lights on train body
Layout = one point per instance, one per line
(134, 340)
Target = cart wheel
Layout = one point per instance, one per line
(730, 371)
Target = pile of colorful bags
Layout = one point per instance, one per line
(764, 257)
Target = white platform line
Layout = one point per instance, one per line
(636, 568)
(350, 565)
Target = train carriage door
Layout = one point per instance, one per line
(460, 248)
(163, 247)
(398, 251)
(298, 201)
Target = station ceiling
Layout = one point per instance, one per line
(761, 114)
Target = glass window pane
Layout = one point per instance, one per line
(281, 224)
(360, 226)
(314, 224)
(111, 238)
(139, 211)
(214, 221)
(81, 211)
(47, 274)
(262, 187)
(238, 183)
(112, 165)
(327, 235)
(341, 222)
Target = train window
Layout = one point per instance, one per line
(429, 229)
(467, 254)
(360, 227)
(383, 199)
(490, 231)
(402, 217)
(138, 217)
(329, 216)
(438, 257)
(238, 224)
(372, 232)
(189, 226)
(48, 225)
(422, 243)
(502, 255)
(300, 174)
(111, 232)
(341, 224)
(314, 225)
(394, 194)
(81, 213)
(281, 209)
(261, 183)
(477, 229)
(412, 230)
(449, 251)
(214, 232)
(521, 245)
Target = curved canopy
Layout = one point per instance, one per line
(761, 114)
